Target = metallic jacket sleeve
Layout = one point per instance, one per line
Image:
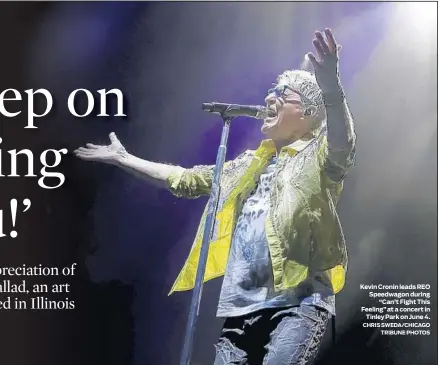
(197, 181)
(191, 183)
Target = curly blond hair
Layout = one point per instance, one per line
(305, 83)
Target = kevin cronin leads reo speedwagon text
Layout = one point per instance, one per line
(395, 286)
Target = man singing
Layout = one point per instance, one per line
(277, 237)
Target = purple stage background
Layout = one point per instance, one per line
(131, 239)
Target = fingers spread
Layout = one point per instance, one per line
(113, 137)
(331, 41)
(322, 42)
(319, 49)
(93, 146)
(84, 151)
(313, 60)
(84, 157)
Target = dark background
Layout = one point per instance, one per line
(130, 240)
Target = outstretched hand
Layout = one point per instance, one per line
(326, 65)
(111, 154)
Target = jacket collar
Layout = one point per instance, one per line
(268, 148)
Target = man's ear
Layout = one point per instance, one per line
(310, 111)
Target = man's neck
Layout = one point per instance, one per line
(281, 143)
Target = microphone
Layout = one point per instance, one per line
(236, 110)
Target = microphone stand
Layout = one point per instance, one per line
(207, 235)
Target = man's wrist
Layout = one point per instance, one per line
(122, 159)
(334, 95)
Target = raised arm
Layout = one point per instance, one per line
(340, 127)
(341, 136)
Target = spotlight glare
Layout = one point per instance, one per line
(421, 17)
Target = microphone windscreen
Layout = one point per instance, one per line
(208, 107)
